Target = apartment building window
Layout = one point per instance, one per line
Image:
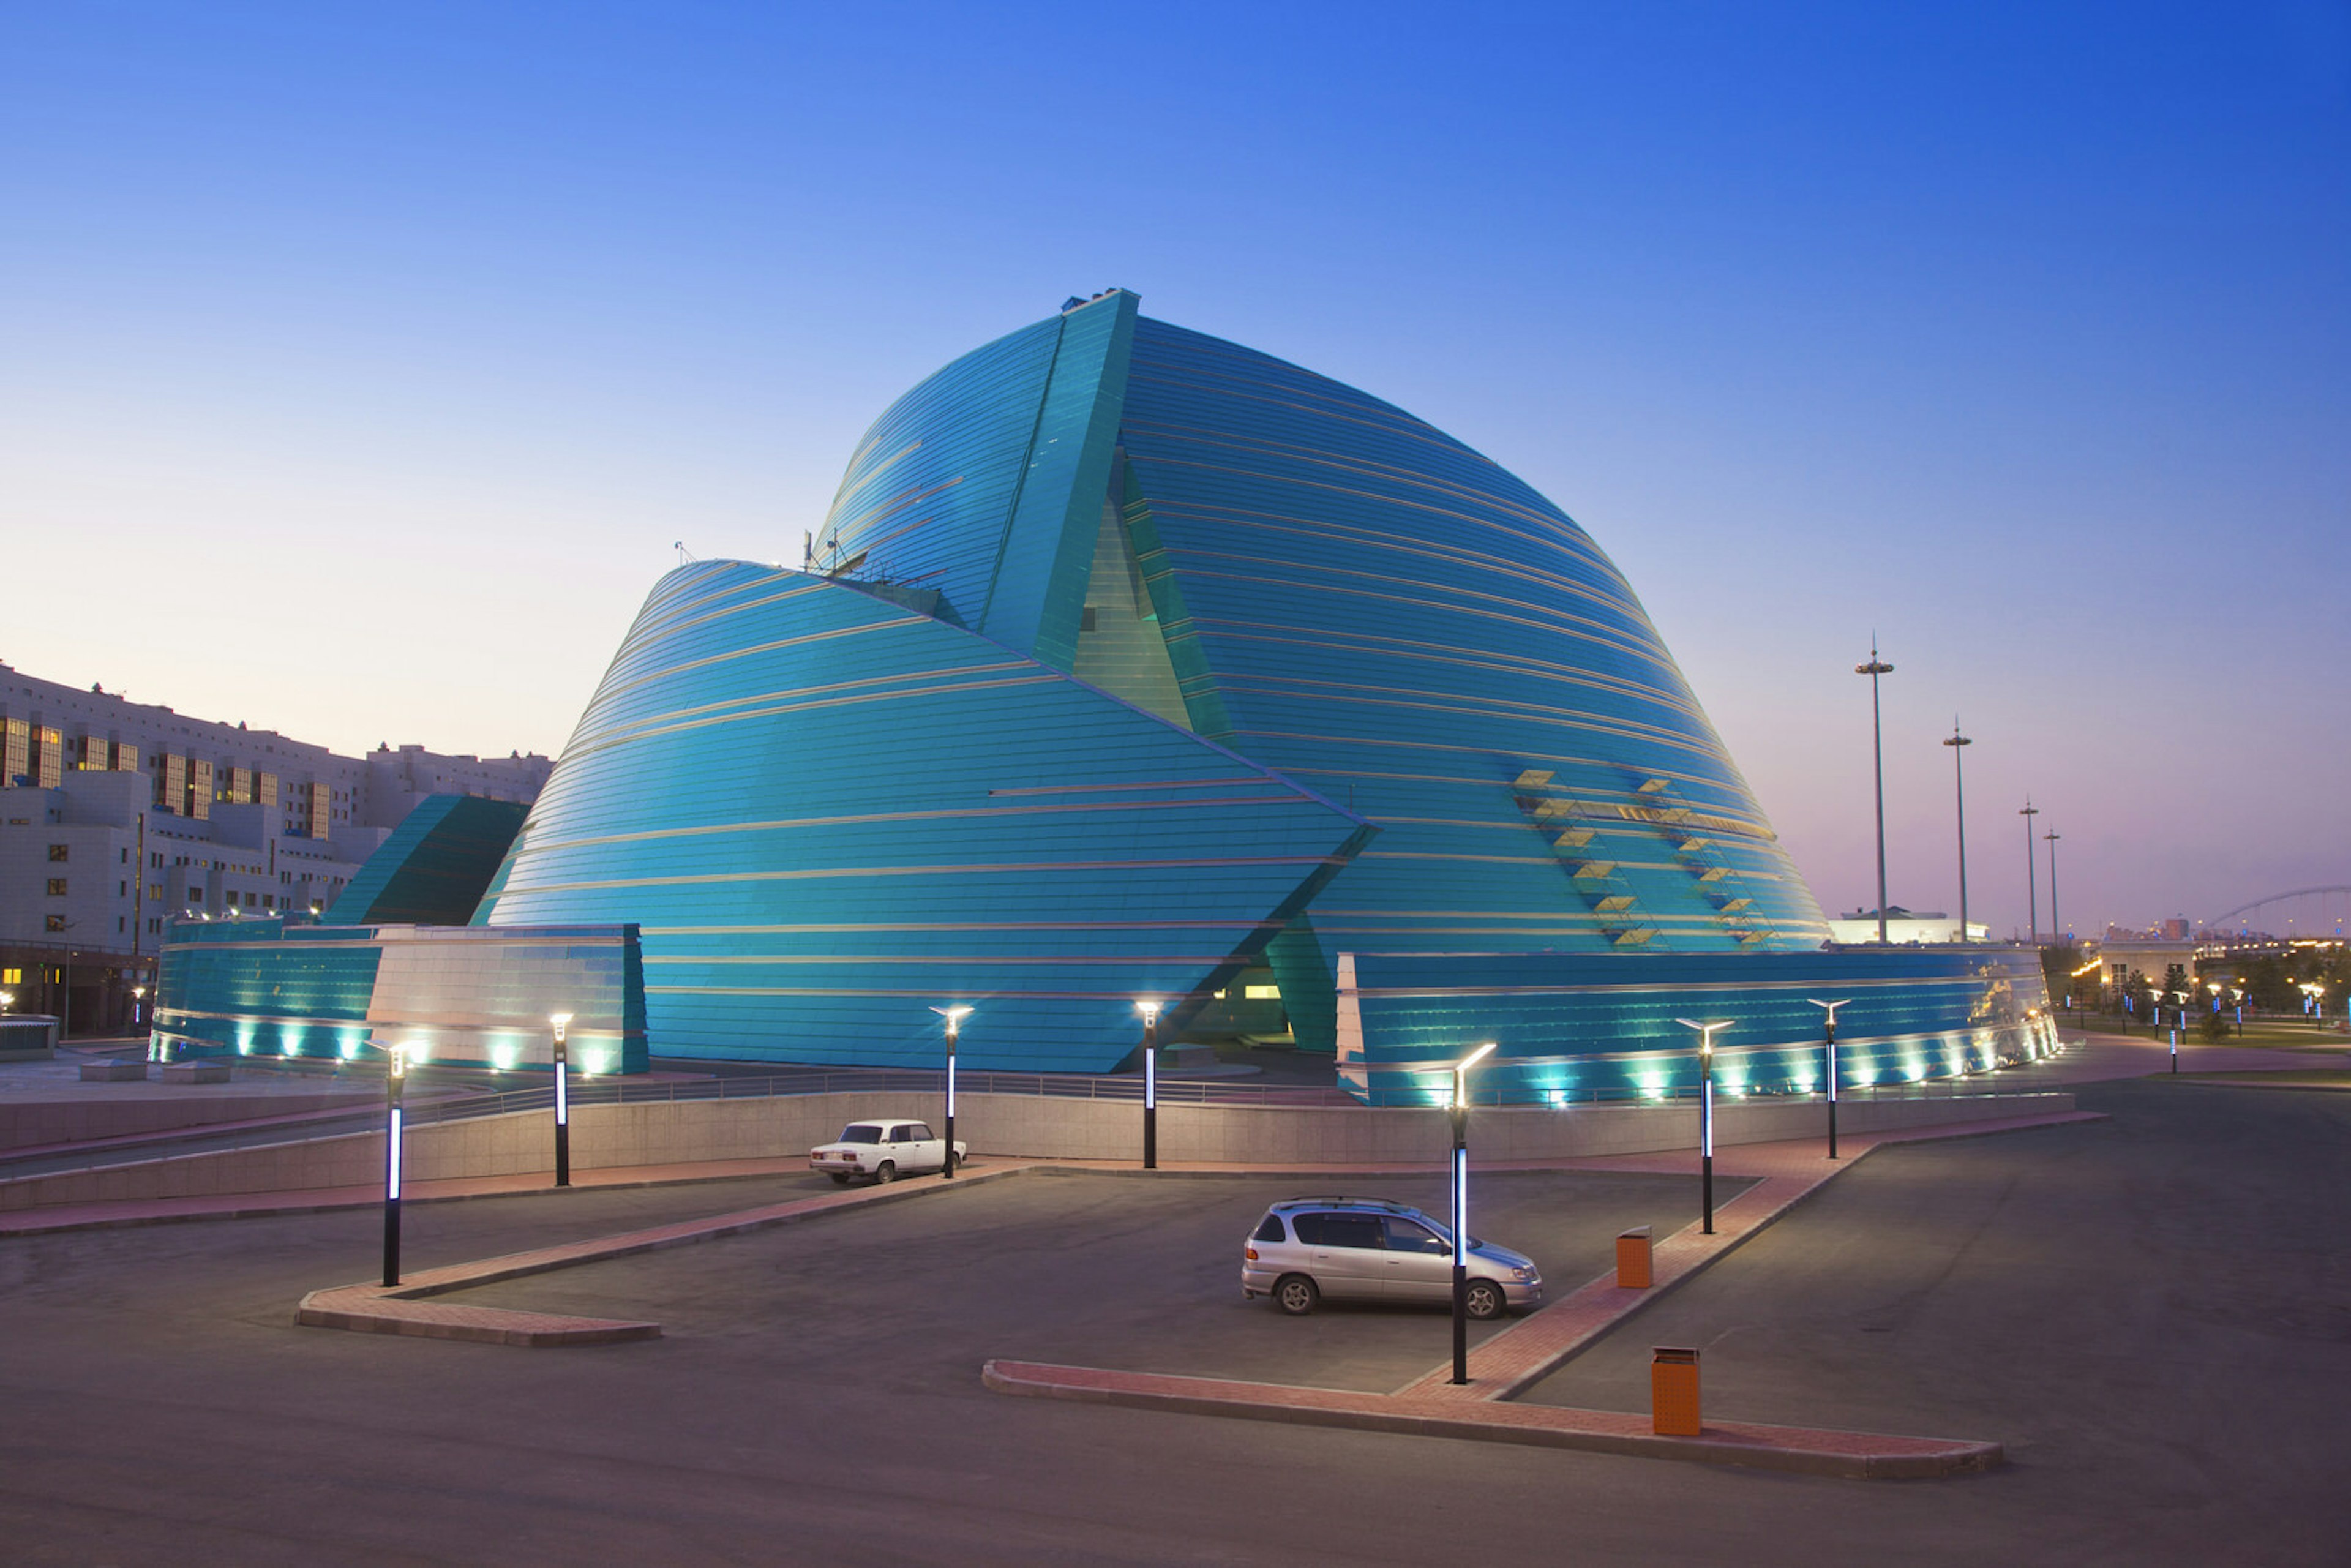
(57, 887)
(11, 976)
(52, 923)
(58, 852)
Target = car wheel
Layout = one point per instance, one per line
(1295, 1294)
(1485, 1299)
(886, 1172)
(841, 1179)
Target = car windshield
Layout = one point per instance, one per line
(861, 1133)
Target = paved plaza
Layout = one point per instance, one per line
(2151, 1312)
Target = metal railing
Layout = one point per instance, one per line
(926, 1083)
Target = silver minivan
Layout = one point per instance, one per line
(1361, 1248)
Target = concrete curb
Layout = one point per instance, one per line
(371, 1309)
(1860, 1456)
(398, 1308)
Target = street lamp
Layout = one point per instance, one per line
(2031, 886)
(1706, 1033)
(562, 1022)
(955, 1017)
(7, 1000)
(396, 1079)
(1149, 1008)
(1875, 668)
(1959, 794)
(2056, 927)
(1458, 1113)
(1828, 1046)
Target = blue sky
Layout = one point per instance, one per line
(362, 364)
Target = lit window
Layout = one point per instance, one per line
(1261, 993)
(58, 852)
(57, 887)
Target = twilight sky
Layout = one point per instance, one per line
(359, 365)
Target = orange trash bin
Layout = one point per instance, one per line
(1633, 1259)
(1672, 1392)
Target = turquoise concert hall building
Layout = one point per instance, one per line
(1131, 663)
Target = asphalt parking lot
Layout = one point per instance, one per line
(2154, 1313)
(1096, 1270)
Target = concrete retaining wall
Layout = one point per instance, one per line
(35, 1123)
(661, 1133)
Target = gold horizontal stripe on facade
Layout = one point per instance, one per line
(858, 542)
(1527, 713)
(1399, 502)
(1628, 646)
(1341, 740)
(967, 813)
(605, 696)
(1365, 539)
(1422, 651)
(989, 868)
(653, 631)
(852, 481)
(885, 511)
(1205, 443)
(1600, 828)
(601, 743)
(1406, 426)
(1753, 829)
(1145, 784)
(1550, 532)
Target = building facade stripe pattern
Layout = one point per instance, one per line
(1130, 662)
(1125, 658)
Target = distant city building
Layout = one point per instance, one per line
(1903, 925)
(117, 817)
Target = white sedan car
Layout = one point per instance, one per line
(884, 1150)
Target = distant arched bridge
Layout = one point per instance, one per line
(2321, 893)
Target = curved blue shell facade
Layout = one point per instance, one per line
(1128, 657)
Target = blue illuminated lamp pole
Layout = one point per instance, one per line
(955, 1017)
(1706, 1033)
(1458, 1113)
(396, 1079)
(1828, 1048)
(1149, 1008)
(562, 1023)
